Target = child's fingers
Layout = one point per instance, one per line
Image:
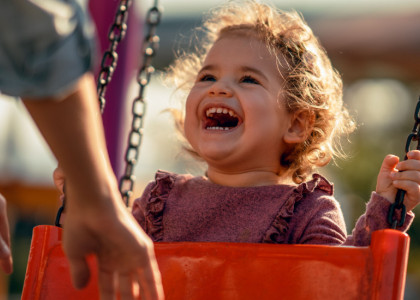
(409, 169)
(413, 154)
(409, 179)
(410, 175)
(411, 187)
(58, 177)
(389, 163)
(412, 192)
(410, 164)
(384, 185)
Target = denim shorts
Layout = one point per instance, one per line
(45, 46)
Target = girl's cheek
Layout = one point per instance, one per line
(191, 113)
(189, 107)
(192, 103)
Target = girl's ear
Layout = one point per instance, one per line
(301, 125)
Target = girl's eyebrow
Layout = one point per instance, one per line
(207, 68)
(254, 70)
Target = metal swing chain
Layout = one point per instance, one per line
(108, 65)
(399, 198)
(110, 58)
(150, 47)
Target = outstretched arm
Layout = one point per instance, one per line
(97, 222)
(393, 175)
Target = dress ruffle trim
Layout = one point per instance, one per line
(156, 204)
(277, 232)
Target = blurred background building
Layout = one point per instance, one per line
(374, 44)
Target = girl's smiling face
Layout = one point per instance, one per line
(236, 118)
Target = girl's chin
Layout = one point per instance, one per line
(214, 156)
(216, 153)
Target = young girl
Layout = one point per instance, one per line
(264, 109)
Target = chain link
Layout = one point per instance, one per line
(110, 58)
(150, 47)
(414, 136)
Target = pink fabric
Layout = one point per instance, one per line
(186, 208)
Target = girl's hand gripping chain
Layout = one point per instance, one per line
(404, 175)
(406, 183)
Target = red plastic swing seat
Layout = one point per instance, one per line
(233, 271)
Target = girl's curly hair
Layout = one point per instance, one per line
(310, 82)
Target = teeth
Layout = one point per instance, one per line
(218, 128)
(219, 110)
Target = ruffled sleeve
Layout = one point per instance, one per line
(148, 209)
(279, 231)
(374, 219)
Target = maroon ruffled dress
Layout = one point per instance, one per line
(186, 208)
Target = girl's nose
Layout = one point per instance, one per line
(220, 88)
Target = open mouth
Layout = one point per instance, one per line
(218, 118)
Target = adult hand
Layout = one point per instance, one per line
(404, 175)
(125, 252)
(6, 261)
(126, 260)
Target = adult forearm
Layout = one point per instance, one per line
(72, 127)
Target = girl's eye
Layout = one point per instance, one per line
(207, 77)
(249, 79)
